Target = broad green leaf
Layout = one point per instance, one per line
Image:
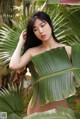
(53, 114)
(54, 75)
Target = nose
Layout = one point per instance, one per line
(40, 30)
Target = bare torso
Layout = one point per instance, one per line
(48, 106)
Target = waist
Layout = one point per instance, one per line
(53, 89)
(48, 106)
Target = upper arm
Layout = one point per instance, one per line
(23, 61)
(25, 58)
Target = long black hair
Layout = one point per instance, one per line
(32, 40)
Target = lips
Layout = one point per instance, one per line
(43, 36)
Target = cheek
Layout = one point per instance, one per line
(36, 34)
(49, 31)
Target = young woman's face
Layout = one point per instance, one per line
(42, 30)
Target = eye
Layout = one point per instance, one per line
(34, 29)
(42, 25)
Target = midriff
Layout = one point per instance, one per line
(51, 105)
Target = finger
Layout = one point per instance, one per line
(24, 31)
(24, 35)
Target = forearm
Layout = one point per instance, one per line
(15, 62)
(15, 59)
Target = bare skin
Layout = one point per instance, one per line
(48, 106)
(42, 30)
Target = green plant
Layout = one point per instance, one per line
(7, 11)
(11, 100)
(8, 40)
(62, 113)
(9, 36)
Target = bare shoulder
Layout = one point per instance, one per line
(68, 47)
(69, 50)
(34, 51)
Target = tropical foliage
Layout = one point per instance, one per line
(61, 113)
(8, 40)
(66, 29)
(11, 100)
(6, 11)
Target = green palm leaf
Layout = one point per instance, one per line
(11, 100)
(76, 61)
(13, 116)
(8, 41)
(53, 114)
(60, 23)
(67, 23)
(55, 74)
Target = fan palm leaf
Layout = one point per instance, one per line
(68, 26)
(11, 100)
(13, 116)
(60, 23)
(8, 41)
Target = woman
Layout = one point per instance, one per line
(38, 40)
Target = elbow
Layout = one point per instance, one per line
(15, 66)
(12, 66)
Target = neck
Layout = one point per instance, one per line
(49, 44)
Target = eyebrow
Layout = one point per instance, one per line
(39, 24)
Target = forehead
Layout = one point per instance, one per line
(38, 22)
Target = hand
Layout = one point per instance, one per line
(24, 33)
(23, 37)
